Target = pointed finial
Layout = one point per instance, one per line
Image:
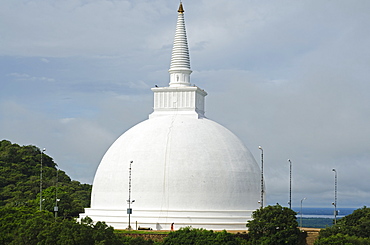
(181, 9)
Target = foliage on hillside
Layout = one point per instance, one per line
(274, 225)
(20, 181)
(351, 229)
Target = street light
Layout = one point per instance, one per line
(262, 191)
(56, 197)
(42, 152)
(335, 196)
(290, 184)
(129, 201)
(301, 210)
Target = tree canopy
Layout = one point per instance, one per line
(351, 229)
(192, 236)
(274, 225)
(20, 168)
(24, 226)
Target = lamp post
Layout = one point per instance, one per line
(262, 187)
(42, 152)
(56, 197)
(129, 201)
(335, 196)
(290, 184)
(301, 211)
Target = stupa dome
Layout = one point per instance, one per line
(178, 166)
(181, 165)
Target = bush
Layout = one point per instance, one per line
(352, 229)
(188, 236)
(274, 225)
(340, 239)
(23, 226)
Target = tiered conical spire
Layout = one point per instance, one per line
(180, 61)
(180, 98)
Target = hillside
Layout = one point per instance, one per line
(20, 182)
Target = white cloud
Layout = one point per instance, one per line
(27, 77)
(139, 85)
(45, 60)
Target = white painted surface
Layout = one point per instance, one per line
(189, 171)
(180, 59)
(187, 100)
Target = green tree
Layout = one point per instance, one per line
(188, 235)
(340, 239)
(28, 232)
(24, 226)
(20, 181)
(128, 240)
(274, 225)
(11, 219)
(353, 228)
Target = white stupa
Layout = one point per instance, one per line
(186, 169)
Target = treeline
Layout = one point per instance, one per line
(351, 229)
(25, 226)
(20, 182)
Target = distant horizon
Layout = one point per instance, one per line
(327, 207)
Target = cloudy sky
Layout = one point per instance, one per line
(291, 76)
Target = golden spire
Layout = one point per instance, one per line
(181, 9)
